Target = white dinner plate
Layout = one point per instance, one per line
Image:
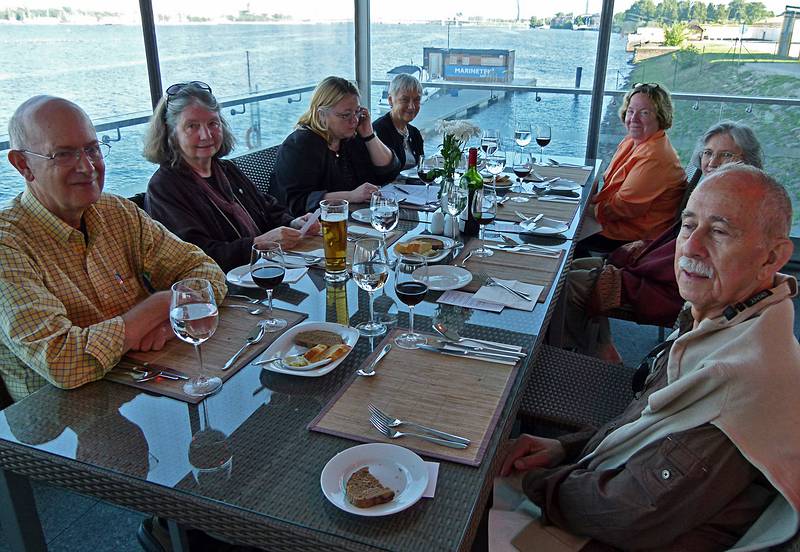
(285, 345)
(433, 256)
(559, 186)
(444, 277)
(362, 215)
(395, 467)
(544, 227)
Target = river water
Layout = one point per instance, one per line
(102, 68)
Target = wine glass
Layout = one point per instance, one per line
(384, 211)
(267, 270)
(495, 164)
(370, 271)
(193, 314)
(484, 210)
(542, 138)
(522, 165)
(426, 165)
(411, 286)
(454, 200)
(522, 135)
(490, 140)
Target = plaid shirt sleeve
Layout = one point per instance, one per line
(167, 259)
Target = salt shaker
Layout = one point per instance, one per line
(437, 223)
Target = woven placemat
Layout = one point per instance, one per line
(315, 243)
(234, 325)
(576, 174)
(462, 396)
(557, 210)
(531, 269)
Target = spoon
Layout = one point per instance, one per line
(532, 220)
(245, 298)
(452, 335)
(254, 312)
(255, 335)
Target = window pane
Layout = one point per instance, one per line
(99, 66)
(256, 52)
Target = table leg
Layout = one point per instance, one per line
(18, 516)
(177, 536)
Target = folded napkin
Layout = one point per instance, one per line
(292, 276)
(414, 194)
(364, 232)
(496, 294)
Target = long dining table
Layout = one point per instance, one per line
(132, 448)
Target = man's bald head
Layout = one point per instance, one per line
(30, 119)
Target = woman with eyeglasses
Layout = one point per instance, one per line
(644, 183)
(395, 128)
(201, 197)
(639, 276)
(333, 153)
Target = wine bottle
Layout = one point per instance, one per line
(473, 181)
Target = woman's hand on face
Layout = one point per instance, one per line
(529, 452)
(363, 193)
(364, 127)
(287, 237)
(300, 221)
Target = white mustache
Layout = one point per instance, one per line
(695, 267)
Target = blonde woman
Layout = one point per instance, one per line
(333, 153)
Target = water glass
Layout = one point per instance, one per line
(454, 200)
(370, 272)
(333, 216)
(267, 268)
(411, 286)
(194, 316)
(522, 135)
(384, 211)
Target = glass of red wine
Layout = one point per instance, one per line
(484, 211)
(267, 270)
(411, 286)
(542, 138)
(522, 167)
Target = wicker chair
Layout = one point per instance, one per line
(568, 391)
(258, 166)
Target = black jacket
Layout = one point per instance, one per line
(307, 169)
(385, 130)
(173, 198)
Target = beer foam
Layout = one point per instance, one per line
(334, 217)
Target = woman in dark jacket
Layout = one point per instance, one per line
(201, 198)
(333, 153)
(395, 128)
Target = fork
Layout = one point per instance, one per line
(492, 282)
(378, 424)
(389, 421)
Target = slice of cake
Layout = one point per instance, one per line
(364, 490)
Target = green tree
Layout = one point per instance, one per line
(669, 13)
(722, 13)
(736, 10)
(754, 12)
(675, 34)
(698, 12)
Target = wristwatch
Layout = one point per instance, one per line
(368, 138)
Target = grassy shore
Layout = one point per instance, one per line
(737, 74)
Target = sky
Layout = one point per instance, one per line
(341, 9)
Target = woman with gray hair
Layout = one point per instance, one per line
(394, 128)
(200, 197)
(727, 142)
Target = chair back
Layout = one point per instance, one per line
(258, 166)
(138, 199)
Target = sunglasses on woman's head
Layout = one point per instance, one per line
(175, 89)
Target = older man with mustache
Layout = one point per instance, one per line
(706, 457)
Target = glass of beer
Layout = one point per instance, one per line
(334, 238)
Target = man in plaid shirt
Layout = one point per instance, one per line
(84, 276)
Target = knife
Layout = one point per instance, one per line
(402, 190)
(370, 370)
(469, 354)
(255, 335)
(479, 348)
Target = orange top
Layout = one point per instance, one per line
(642, 190)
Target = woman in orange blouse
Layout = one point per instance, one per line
(644, 183)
